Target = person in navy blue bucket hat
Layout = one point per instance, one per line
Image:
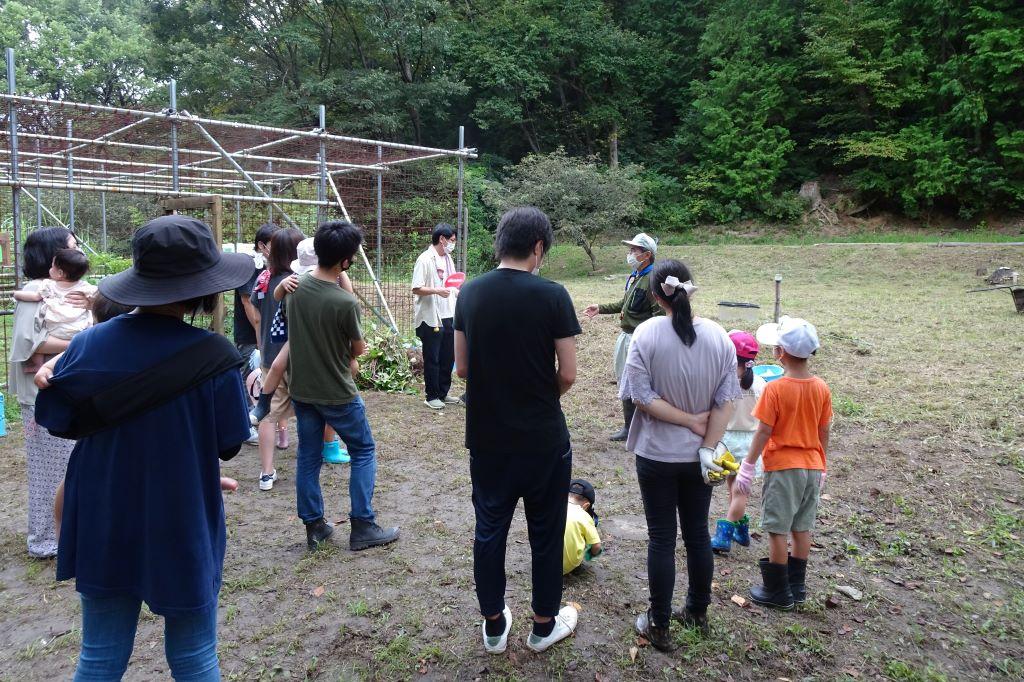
(143, 517)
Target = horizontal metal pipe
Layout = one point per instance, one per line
(152, 180)
(468, 153)
(83, 187)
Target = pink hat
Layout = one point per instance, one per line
(746, 344)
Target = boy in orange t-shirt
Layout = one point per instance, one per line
(795, 412)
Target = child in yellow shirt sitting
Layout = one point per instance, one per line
(582, 543)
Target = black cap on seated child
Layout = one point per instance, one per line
(583, 488)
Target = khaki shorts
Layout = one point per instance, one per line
(789, 500)
(281, 403)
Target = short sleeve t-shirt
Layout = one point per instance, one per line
(143, 513)
(267, 305)
(323, 320)
(431, 271)
(243, 333)
(580, 531)
(795, 409)
(511, 320)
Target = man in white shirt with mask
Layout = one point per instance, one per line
(433, 310)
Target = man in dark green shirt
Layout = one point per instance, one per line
(325, 340)
(635, 306)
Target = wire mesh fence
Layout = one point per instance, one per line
(103, 171)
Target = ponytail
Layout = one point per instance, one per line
(747, 380)
(678, 299)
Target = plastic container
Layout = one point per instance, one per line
(735, 311)
(768, 372)
(3, 416)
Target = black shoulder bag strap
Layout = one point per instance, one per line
(152, 387)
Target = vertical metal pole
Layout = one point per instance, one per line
(15, 189)
(39, 191)
(174, 135)
(102, 215)
(778, 297)
(238, 223)
(460, 231)
(321, 193)
(270, 193)
(71, 179)
(380, 208)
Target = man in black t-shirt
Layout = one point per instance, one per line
(510, 329)
(246, 318)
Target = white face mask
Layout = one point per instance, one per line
(632, 261)
(449, 248)
(260, 262)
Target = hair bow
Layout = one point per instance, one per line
(672, 284)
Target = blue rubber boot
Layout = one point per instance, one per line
(333, 453)
(721, 543)
(741, 531)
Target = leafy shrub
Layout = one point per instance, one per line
(386, 366)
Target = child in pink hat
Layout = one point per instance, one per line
(738, 435)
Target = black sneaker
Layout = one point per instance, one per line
(658, 636)
(316, 532)
(689, 619)
(367, 534)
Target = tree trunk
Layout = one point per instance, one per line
(613, 147)
(590, 252)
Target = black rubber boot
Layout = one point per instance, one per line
(775, 592)
(316, 532)
(797, 576)
(366, 534)
(658, 636)
(628, 408)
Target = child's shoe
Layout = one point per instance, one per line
(333, 453)
(721, 543)
(797, 578)
(741, 531)
(282, 438)
(775, 592)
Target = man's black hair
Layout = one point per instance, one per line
(519, 230)
(336, 241)
(72, 262)
(40, 248)
(442, 230)
(264, 234)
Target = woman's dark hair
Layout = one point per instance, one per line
(283, 250)
(682, 315)
(200, 304)
(519, 230)
(72, 262)
(335, 242)
(442, 230)
(104, 309)
(264, 234)
(40, 248)
(747, 380)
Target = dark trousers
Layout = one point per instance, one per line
(542, 481)
(669, 489)
(438, 357)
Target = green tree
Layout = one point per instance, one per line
(584, 200)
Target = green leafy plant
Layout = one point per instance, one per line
(386, 366)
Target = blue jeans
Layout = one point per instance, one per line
(108, 636)
(349, 421)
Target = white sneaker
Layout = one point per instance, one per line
(434, 404)
(254, 437)
(565, 625)
(451, 400)
(497, 645)
(267, 480)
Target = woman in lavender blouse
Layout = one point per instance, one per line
(681, 374)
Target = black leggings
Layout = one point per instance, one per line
(669, 488)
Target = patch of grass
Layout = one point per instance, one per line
(358, 608)
(397, 656)
(845, 406)
(1004, 533)
(806, 640)
(901, 671)
(257, 577)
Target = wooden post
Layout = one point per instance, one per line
(778, 297)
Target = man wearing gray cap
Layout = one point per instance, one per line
(636, 306)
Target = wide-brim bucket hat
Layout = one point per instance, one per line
(175, 258)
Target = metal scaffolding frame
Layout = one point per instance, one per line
(174, 154)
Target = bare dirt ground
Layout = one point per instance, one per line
(922, 513)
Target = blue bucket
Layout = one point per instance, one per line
(768, 372)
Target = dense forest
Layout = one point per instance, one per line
(719, 109)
